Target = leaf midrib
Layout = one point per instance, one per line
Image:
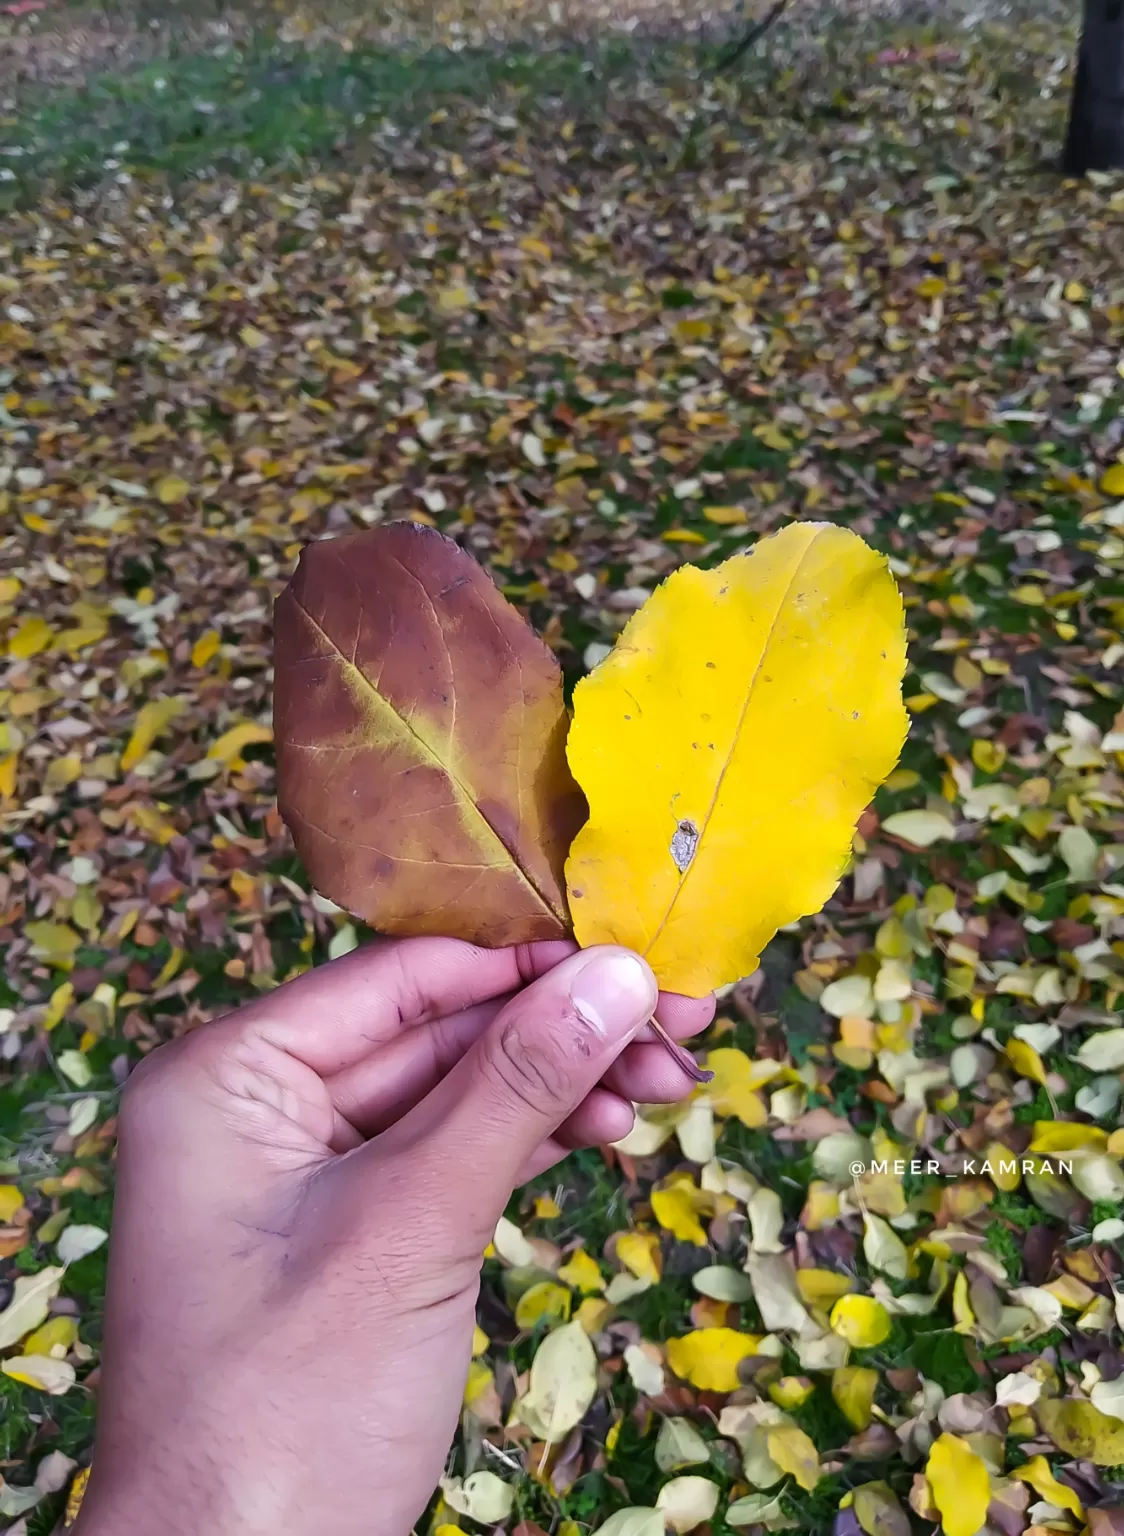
(465, 793)
(751, 686)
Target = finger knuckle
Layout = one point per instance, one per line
(530, 1065)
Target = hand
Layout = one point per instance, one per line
(305, 1189)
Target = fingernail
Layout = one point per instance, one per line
(614, 993)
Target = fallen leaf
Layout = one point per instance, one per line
(79, 1240)
(795, 1453)
(562, 1384)
(709, 1357)
(41, 1371)
(861, 1320)
(1038, 1473)
(31, 1297)
(960, 1485)
(686, 1502)
(152, 720)
(482, 1496)
(1082, 1430)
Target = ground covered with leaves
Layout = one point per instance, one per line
(594, 309)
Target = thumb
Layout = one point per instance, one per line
(539, 1058)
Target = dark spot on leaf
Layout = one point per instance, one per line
(684, 841)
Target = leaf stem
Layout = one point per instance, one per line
(681, 1055)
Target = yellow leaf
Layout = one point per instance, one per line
(640, 1253)
(1112, 481)
(795, 1453)
(708, 1358)
(959, 1484)
(41, 1371)
(731, 516)
(480, 1378)
(732, 1092)
(480, 1341)
(545, 1300)
(172, 488)
(56, 943)
(61, 999)
(452, 300)
(674, 1209)
(1066, 1136)
(9, 770)
(801, 644)
(1025, 1060)
(791, 1391)
(853, 1388)
(231, 743)
(252, 337)
(10, 587)
(861, 1320)
(581, 1271)
(822, 1287)
(1037, 1473)
(57, 1333)
(10, 1202)
(1082, 1430)
(30, 638)
(152, 718)
(205, 647)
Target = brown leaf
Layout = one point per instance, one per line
(420, 741)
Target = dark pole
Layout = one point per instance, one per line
(1095, 140)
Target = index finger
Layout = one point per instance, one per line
(334, 1016)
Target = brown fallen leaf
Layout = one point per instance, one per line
(421, 741)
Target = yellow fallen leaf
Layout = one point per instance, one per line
(1082, 1430)
(708, 1357)
(152, 718)
(581, 1271)
(171, 489)
(230, 745)
(853, 1388)
(861, 1320)
(205, 647)
(795, 1453)
(1026, 1060)
(545, 1300)
(251, 336)
(57, 1333)
(56, 943)
(452, 300)
(791, 1392)
(11, 1200)
(480, 1341)
(32, 636)
(562, 1384)
(9, 774)
(800, 644)
(726, 516)
(1066, 1136)
(822, 1287)
(41, 1371)
(959, 1484)
(31, 1296)
(732, 1091)
(640, 1253)
(1112, 481)
(1038, 1474)
(674, 1207)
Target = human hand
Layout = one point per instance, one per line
(304, 1192)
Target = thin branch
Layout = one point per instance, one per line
(732, 55)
